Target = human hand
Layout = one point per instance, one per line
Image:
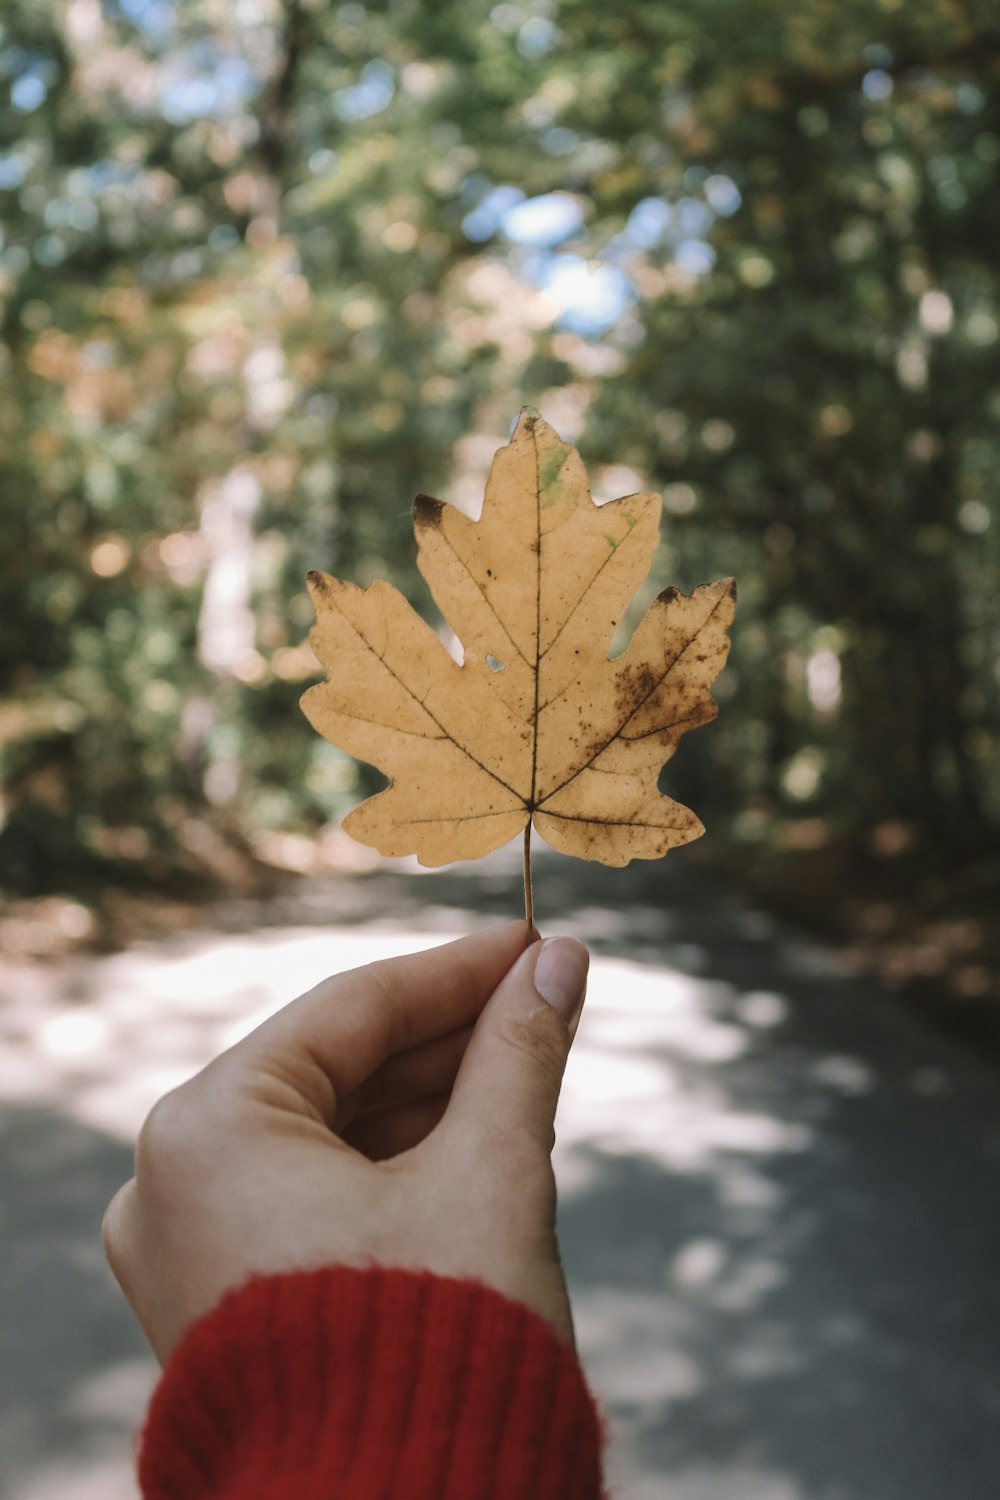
(400, 1115)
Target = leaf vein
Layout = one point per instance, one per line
(504, 812)
(607, 822)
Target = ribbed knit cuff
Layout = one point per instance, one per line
(345, 1384)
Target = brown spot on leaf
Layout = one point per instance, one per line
(635, 684)
(427, 512)
(318, 582)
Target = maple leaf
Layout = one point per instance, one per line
(537, 725)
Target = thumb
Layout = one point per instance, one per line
(513, 1066)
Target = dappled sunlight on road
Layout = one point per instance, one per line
(103, 1040)
(644, 1079)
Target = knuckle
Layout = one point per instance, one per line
(114, 1233)
(166, 1134)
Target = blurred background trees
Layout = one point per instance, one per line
(270, 267)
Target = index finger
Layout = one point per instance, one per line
(334, 1037)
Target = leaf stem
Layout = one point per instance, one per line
(529, 911)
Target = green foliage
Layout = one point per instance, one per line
(262, 279)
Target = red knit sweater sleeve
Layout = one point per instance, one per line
(345, 1384)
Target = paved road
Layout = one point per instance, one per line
(779, 1196)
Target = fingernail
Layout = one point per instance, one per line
(560, 972)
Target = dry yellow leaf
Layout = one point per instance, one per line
(537, 723)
